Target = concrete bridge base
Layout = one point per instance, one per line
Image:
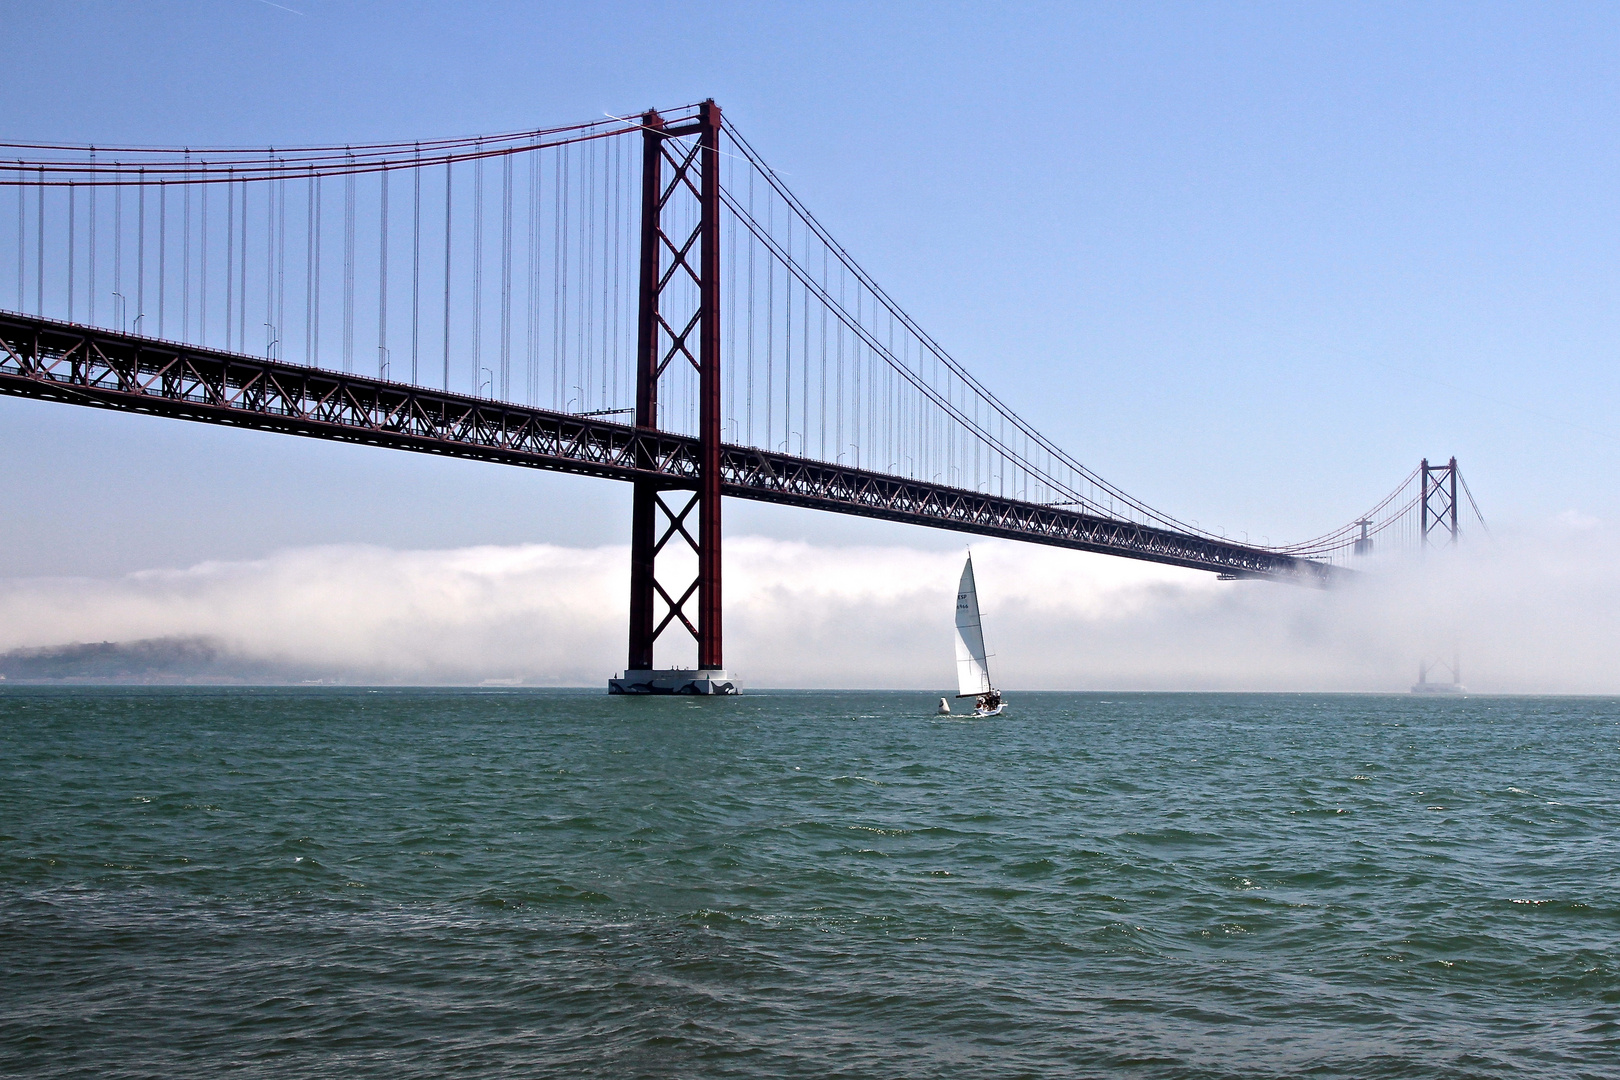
(673, 681)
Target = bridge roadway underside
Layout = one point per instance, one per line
(81, 365)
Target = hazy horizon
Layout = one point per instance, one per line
(1526, 614)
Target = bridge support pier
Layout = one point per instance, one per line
(663, 512)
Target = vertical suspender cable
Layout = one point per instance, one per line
(556, 276)
(270, 331)
(898, 414)
(902, 406)
(230, 254)
(348, 266)
(280, 195)
(185, 250)
(825, 263)
(978, 444)
(531, 371)
(753, 244)
(72, 224)
(90, 285)
(22, 231)
(630, 218)
(598, 255)
(838, 422)
(557, 184)
(448, 166)
(140, 253)
(315, 275)
(606, 253)
(804, 355)
(929, 434)
(952, 431)
(39, 255)
(626, 324)
(587, 195)
(855, 365)
(416, 262)
(309, 267)
(163, 252)
(770, 322)
(382, 275)
(618, 229)
(241, 291)
(118, 255)
(478, 275)
(887, 421)
(925, 417)
(562, 279)
(607, 270)
(270, 335)
(506, 277)
(202, 268)
(787, 351)
(731, 306)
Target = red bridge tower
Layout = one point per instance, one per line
(669, 334)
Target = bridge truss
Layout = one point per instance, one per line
(50, 360)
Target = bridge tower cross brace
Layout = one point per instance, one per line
(1437, 504)
(665, 336)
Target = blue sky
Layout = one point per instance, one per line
(1250, 262)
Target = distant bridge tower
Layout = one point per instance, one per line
(1364, 543)
(1438, 514)
(1437, 506)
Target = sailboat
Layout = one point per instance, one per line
(972, 670)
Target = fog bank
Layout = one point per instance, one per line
(1525, 613)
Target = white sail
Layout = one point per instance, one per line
(972, 673)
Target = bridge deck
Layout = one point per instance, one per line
(82, 365)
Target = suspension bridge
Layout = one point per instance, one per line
(635, 298)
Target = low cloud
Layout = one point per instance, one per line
(1525, 614)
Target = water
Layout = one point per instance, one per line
(316, 882)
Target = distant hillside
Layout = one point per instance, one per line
(167, 659)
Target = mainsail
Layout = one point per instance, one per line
(972, 673)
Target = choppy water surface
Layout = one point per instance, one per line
(517, 883)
